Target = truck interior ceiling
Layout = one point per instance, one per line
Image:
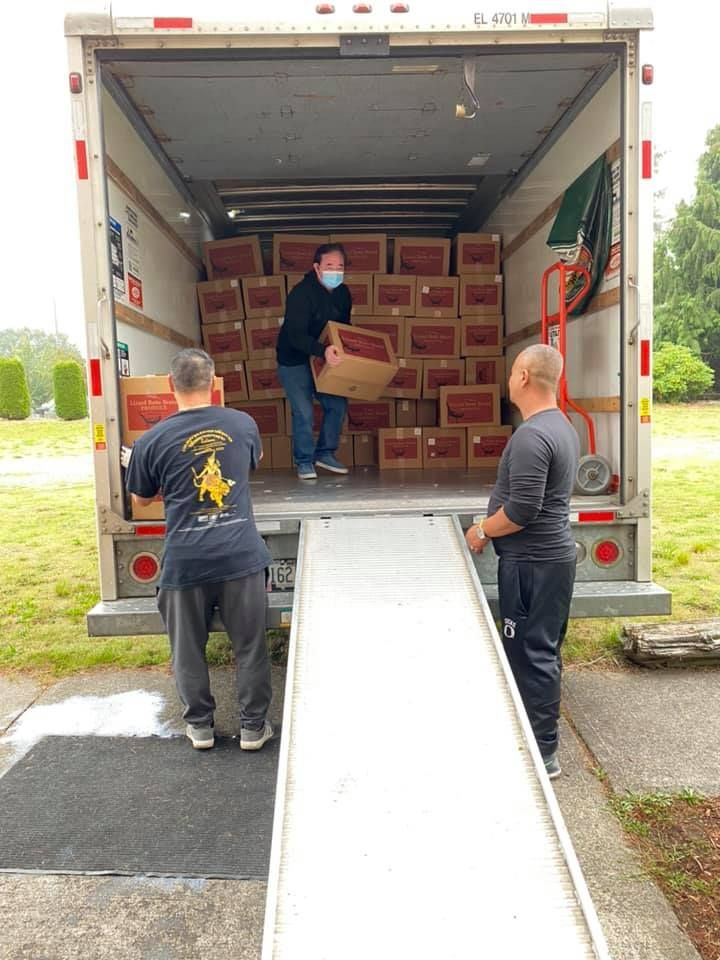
(318, 142)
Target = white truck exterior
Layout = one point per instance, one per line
(340, 117)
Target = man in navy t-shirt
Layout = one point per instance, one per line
(200, 460)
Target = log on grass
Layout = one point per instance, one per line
(689, 642)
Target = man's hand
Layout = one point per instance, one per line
(333, 357)
(125, 456)
(475, 539)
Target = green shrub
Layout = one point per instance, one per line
(679, 375)
(69, 390)
(14, 393)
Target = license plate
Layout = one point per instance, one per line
(282, 574)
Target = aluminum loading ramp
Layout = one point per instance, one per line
(412, 817)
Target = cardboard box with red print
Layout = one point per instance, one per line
(394, 296)
(220, 301)
(441, 373)
(432, 339)
(370, 417)
(477, 253)
(294, 253)
(486, 445)
(481, 296)
(269, 415)
(443, 447)
(422, 256)
(364, 252)
(262, 337)
(437, 297)
(234, 380)
(481, 371)
(407, 382)
(225, 341)
(360, 286)
(470, 406)
(263, 382)
(233, 258)
(365, 449)
(264, 296)
(367, 367)
(400, 449)
(481, 337)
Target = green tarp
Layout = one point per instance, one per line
(582, 229)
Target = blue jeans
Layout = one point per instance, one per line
(300, 389)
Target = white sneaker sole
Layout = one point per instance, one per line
(326, 466)
(202, 744)
(307, 476)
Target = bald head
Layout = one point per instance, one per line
(544, 365)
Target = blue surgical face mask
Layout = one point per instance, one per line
(332, 278)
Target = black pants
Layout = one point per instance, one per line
(187, 615)
(534, 607)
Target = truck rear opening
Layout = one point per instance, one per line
(273, 128)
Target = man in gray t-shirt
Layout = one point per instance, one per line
(529, 524)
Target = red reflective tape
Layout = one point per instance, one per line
(647, 159)
(173, 23)
(95, 378)
(596, 516)
(81, 159)
(157, 530)
(538, 18)
(644, 358)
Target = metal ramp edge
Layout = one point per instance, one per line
(413, 815)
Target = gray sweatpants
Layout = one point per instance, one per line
(187, 615)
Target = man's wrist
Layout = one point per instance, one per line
(480, 532)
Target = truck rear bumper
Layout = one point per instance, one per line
(620, 598)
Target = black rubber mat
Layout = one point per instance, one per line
(139, 806)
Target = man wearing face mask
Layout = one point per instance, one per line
(320, 296)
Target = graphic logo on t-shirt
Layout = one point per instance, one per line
(210, 482)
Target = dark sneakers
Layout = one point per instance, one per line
(552, 767)
(255, 739)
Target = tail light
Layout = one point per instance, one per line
(606, 553)
(145, 567)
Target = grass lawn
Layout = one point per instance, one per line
(48, 571)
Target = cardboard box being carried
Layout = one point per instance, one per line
(394, 327)
(477, 253)
(394, 296)
(220, 301)
(400, 449)
(236, 257)
(364, 252)
(481, 337)
(370, 417)
(234, 380)
(365, 447)
(422, 256)
(262, 378)
(294, 253)
(433, 339)
(407, 382)
(486, 445)
(437, 297)
(368, 364)
(146, 401)
(481, 296)
(262, 337)
(360, 286)
(264, 296)
(480, 371)
(441, 373)
(444, 448)
(225, 341)
(470, 406)
(269, 415)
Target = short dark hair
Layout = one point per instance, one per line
(192, 370)
(326, 248)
